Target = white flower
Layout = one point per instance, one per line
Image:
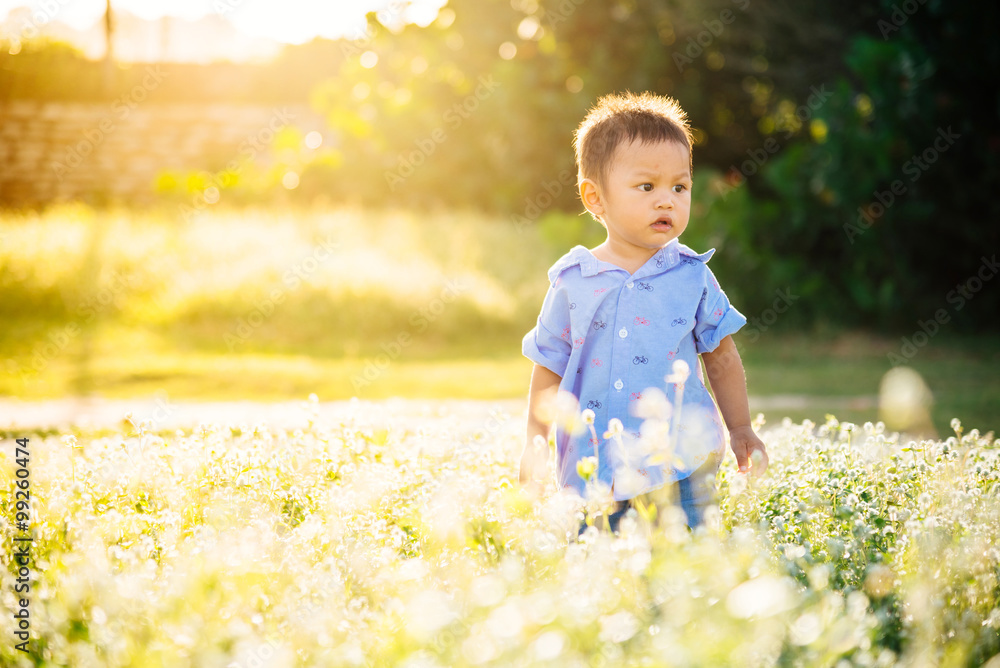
(586, 467)
(654, 436)
(588, 416)
(615, 428)
(653, 405)
(599, 496)
(566, 409)
(628, 481)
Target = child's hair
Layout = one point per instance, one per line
(621, 118)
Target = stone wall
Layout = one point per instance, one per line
(52, 151)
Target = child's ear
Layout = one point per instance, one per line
(590, 195)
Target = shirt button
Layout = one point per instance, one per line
(630, 285)
(619, 384)
(623, 332)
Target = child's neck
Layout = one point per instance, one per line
(630, 263)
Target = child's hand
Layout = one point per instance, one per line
(533, 488)
(534, 466)
(749, 450)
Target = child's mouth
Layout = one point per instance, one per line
(663, 224)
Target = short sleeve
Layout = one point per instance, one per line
(716, 318)
(550, 342)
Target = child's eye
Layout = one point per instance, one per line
(644, 189)
(681, 187)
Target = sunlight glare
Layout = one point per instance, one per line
(298, 21)
(290, 21)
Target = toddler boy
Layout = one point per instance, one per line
(617, 317)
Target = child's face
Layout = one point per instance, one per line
(646, 200)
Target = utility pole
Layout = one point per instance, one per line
(109, 67)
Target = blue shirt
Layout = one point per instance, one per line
(612, 336)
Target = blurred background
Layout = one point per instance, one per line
(247, 199)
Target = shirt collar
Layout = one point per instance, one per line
(578, 255)
(662, 260)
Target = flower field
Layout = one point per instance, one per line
(386, 540)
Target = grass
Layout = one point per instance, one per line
(788, 376)
(267, 305)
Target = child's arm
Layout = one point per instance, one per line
(725, 372)
(534, 461)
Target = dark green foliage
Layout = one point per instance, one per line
(834, 100)
(882, 219)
